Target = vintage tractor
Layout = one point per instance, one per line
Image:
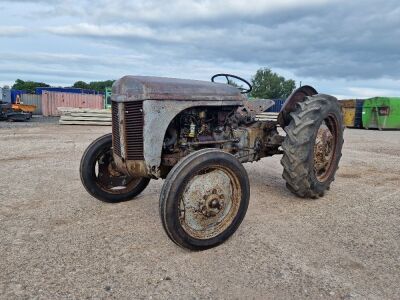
(196, 135)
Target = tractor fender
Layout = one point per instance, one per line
(298, 95)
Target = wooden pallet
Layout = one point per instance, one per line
(267, 116)
(84, 116)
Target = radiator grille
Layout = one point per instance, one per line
(134, 130)
(115, 129)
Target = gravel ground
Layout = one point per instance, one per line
(59, 242)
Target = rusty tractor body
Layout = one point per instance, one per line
(196, 135)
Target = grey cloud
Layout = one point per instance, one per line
(336, 41)
(190, 12)
(78, 61)
(331, 40)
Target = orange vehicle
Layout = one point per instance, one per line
(18, 106)
(23, 107)
(16, 112)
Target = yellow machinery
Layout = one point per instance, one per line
(26, 108)
(349, 112)
(352, 113)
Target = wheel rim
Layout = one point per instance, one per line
(209, 203)
(325, 148)
(108, 178)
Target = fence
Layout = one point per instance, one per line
(52, 100)
(33, 99)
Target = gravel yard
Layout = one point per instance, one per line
(59, 242)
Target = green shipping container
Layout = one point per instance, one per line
(381, 113)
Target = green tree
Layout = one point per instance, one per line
(269, 85)
(28, 86)
(99, 86)
(233, 83)
(81, 85)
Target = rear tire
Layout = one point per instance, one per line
(313, 146)
(204, 199)
(107, 184)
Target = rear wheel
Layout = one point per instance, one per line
(204, 199)
(101, 178)
(313, 146)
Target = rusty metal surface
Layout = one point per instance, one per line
(209, 203)
(127, 126)
(258, 106)
(121, 126)
(120, 164)
(296, 96)
(323, 151)
(134, 168)
(325, 148)
(157, 116)
(133, 125)
(109, 176)
(130, 88)
(171, 159)
(164, 99)
(115, 129)
(212, 142)
(52, 100)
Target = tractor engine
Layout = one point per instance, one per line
(232, 129)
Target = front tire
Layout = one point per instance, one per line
(204, 199)
(100, 177)
(313, 146)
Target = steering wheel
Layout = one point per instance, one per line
(227, 76)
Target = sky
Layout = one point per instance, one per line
(347, 48)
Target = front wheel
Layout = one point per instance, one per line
(101, 178)
(204, 199)
(313, 146)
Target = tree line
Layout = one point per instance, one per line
(266, 84)
(29, 86)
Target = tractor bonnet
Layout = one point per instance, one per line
(130, 88)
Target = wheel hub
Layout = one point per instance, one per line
(323, 151)
(212, 203)
(109, 177)
(112, 170)
(209, 203)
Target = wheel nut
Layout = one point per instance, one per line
(214, 203)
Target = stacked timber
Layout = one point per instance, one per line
(267, 116)
(84, 116)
